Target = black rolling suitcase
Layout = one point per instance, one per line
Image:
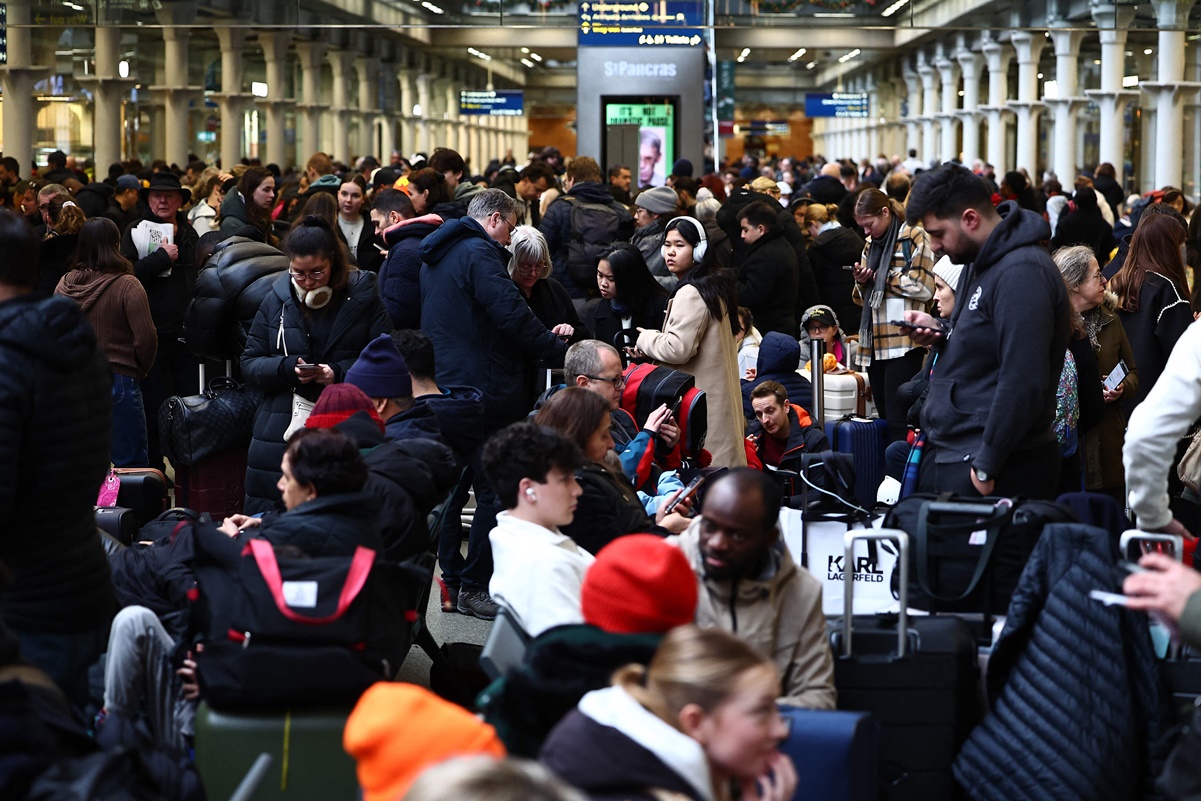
(918, 676)
(119, 523)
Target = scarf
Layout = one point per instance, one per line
(879, 259)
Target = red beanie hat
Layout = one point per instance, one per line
(338, 402)
(639, 584)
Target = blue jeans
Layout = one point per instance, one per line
(129, 447)
(475, 572)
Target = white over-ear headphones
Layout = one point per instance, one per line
(700, 248)
(315, 299)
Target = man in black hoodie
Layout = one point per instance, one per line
(55, 420)
(990, 408)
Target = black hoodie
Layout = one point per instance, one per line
(993, 390)
(55, 419)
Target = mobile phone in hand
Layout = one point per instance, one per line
(308, 368)
(903, 324)
(675, 408)
(688, 492)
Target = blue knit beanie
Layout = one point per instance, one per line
(380, 371)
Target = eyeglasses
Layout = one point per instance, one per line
(512, 225)
(527, 269)
(315, 275)
(617, 381)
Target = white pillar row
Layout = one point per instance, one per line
(232, 100)
(275, 46)
(176, 92)
(450, 91)
(913, 126)
(930, 108)
(340, 63)
(17, 78)
(424, 99)
(997, 56)
(948, 73)
(1068, 104)
(367, 70)
(1029, 46)
(874, 127)
(108, 90)
(1170, 90)
(312, 57)
(1113, 24)
(970, 115)
(408, 125)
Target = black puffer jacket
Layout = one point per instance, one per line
(608, 508)
(767, 284)
(357, 318)
(460, 413)
(168, 284)
(1092, 740)
(400, 274)
(329, 525)
(832, 250)
(229, 290)
(55, 420)
(408, 479)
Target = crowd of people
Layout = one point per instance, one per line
(414, 331)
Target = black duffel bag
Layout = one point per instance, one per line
(195, 427)
(967, 554)
(297, 631)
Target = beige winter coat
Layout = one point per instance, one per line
(692, 341)
(780, 613)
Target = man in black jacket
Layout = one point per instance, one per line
(990, 407)
(526, 187)
(168, 273)
(767, 277)
(55, 421)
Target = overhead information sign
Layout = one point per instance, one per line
(631, 24)
(837, 104)
(502, 103)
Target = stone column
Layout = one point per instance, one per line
(930, 108)
(1170, 90)
(17, 78)
(232, 100)
(1068, 104)
(1029, 47)
(970, 115)
(874, 126)
(997, 57)
(108, 90)
(340, 62)
(408, 96)
(1113, 24)
(948, 73)
(176, 91)
(275, 52)
(311, 56)
(425, 100)
(368, 72)
(913, 127)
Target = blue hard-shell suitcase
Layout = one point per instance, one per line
(836, 754)
(865, 438)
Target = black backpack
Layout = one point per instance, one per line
(594, 226)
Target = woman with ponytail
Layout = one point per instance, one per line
(308, 331)
(698, 722)
(65, 219)
(894, 275)
(698, 335)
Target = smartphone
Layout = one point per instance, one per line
(675, 408)
(848, 267)
(1115, 376)
(688, 492)
(308, 368)
(902, 324)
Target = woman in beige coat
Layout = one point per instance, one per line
(698, 335)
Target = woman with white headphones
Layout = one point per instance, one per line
(698, 335)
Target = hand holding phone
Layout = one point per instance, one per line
(903, 324)
(687, 493)
(308, 369)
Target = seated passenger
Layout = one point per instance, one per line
(381, 372)
(701, 716)
(639, 588)
(782, 432)
(408, 477)
(537, 570)
(820, 322)
(749, 584)
(609, 507)
(779, 358)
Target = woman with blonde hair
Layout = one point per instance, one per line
(699, 719)
(894, 275)
(833, 248)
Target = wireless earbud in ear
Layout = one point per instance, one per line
(533, 496)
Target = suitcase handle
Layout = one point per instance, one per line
(1134, 535)
(997, 517)
(848, 600)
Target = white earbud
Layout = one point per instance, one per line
(529, 493)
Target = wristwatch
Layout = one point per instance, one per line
(980, 474)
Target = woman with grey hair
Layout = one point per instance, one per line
(530, 267)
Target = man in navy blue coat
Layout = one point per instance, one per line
(482, 330)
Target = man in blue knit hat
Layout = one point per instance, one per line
(382, 374)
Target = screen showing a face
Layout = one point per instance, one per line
(656, 125)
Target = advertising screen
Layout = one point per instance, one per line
(657, 135)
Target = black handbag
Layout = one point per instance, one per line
(195, 427)
(967, 554)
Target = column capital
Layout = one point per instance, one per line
(997, 55)
(1113, 22)
(948, 69)
(1066, 41)
(311, 53)
(275, 44)
(1028, 46)
(230, 38)
(969, 62)
(1172, 15)
(341, 61)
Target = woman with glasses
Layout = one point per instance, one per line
(700, 719)
(631, 298)
(309, 330)
(251, 204)
(1101, 344)
(530, 268)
